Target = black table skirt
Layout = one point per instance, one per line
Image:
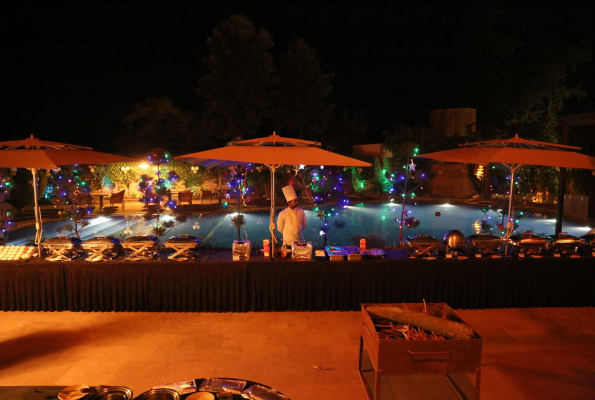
(260, 285)
(156, 286)
(30, 286)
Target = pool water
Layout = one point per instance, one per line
(346, 228)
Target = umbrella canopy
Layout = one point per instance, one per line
(39, 154)
(272, 151)
(270, 155)
(513, 154)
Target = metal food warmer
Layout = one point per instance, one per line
(62, 248)
(455, 241)
(101, 247)
(422, 245)
(184, 246)
(527, 243)
(396, 367)
(301, 251)
(484, 244)
(141, 247)
(241, 250)
(565, 244)
(589, 240)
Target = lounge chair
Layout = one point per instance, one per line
(117, 198)
(185, 196)
(206, 194)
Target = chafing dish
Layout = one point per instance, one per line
(62, 248)
(141, 247)
(184, 246)
(422, 245)
(589, 240)
(484, 244)
(101, 247)
(454, 240)
(159, 394)
(565, 243)
(335, 253)
(353, 253)
(528, 243)
(112, 393)
(301, 251)
(241, 250)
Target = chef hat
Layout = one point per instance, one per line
(289, 193)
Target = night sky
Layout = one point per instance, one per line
(73, 71)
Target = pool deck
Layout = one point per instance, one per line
(533, 353)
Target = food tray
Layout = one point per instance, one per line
(353, 253)
(335, 253)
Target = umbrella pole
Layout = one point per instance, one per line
(38, 223)
(272, 217)
(508, 227)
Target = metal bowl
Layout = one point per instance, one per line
(159, 394)
(112, 393)
(565, 241)
(454, 240)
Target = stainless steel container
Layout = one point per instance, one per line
(102, 245)
(454, 240)
(565, 242)
(159, 394)
(241, 250)
(484, 243)
(112, 393)
(185, 246)
(527, 242)
(589, 240)
(422, 244)
(301, 251)
(141, 247)
(62, 248)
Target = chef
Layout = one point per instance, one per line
(292, 220)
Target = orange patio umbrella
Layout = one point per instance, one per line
(35, 154)
(515, 153)
(272, 151)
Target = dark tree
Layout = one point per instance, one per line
(345, 130)
(298, 106)
(159, 123)
(546, 78)
(241, 74)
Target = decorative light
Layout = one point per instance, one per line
(143, 166)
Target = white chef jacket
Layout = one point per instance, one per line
(291, 224)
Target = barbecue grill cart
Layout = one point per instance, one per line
(527, 244)
(102, 247)
(62, 248)
(422, 245)
(395, 368)
(141, 247)
(484, 244)
(185, 247)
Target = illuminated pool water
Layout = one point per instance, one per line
(372, 219)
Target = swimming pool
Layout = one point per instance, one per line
(379, 220)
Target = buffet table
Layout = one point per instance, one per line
(215, 284)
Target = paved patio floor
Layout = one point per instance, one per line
(544, 353)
